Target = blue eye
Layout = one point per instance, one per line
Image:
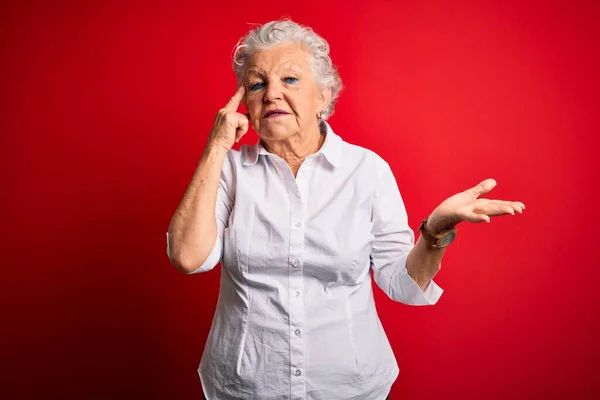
(290, 79)
(257, 86)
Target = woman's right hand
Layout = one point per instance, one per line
(230, 125)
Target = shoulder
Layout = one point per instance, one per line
(236, 158)
(232, 163)
(364, 156)
(237, 161)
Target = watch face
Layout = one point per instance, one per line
(446, 240)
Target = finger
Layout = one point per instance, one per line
(500, 202)
(474, 217)
(515, 205)
(242, 128)
(234, 102)
(491, 210)
(507, 206)
(483, 187)
(508, 210)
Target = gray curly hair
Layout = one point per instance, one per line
(286, 31)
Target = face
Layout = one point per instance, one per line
(282, 95)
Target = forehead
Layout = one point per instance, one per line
(280, 57)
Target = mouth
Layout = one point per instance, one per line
(275, 114)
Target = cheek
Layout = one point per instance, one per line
(298, 105)
(253, 105)
(303, 103)
(250, 101)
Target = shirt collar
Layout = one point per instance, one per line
(331, 148)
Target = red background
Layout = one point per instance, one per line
(105, 110)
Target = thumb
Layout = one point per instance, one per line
(483, 187)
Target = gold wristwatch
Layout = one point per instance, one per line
(440, 240)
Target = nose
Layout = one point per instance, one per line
(273, 92)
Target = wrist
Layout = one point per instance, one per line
(436, 224)
(437, 239)
(214, 148)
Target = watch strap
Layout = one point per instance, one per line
(437, 240)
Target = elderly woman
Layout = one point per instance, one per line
(298, 221)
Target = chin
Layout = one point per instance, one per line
(275, 132)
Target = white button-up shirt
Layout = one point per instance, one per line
(295, 318)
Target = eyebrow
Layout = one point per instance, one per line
(291, 66)
(256, 71)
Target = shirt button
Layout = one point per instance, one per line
(295, 262)
(296, 293)
(297, 372)
(298, 224)
(297, 332)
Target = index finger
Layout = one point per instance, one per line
(234, 102)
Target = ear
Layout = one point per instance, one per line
(324, 97)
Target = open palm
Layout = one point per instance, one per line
(468, 206)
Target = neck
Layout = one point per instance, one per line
(295, 149)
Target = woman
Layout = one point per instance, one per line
(298, 221)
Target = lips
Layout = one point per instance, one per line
(275, 113)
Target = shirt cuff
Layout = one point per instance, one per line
(411, 293)
(211, 261)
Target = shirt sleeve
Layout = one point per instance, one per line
(222, 211)
(393, 240)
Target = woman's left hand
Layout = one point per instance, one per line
(467, 206)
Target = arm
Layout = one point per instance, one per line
(394, 243)
(195, 226)
(423, 261)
